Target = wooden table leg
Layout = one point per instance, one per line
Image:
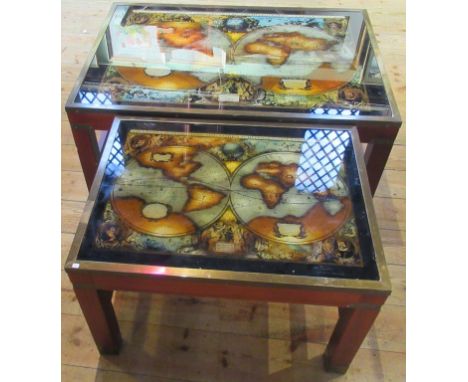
(84, 126)
(376, 156)
(350, 331)
(88, 151)
(99, 314)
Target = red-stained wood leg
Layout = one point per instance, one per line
(98, 311)
(376, 156)
(88, 151)
(350, 331)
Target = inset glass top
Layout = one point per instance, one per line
(314, 62)
(180, 195)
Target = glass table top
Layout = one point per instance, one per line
(311, 62)
(213, 197)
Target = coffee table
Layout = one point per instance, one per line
(288, 64)
(229, 210)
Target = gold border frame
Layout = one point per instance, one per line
(381, 286)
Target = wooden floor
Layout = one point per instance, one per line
(187, 339)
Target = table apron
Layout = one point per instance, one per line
(234, 290)
(368, 130)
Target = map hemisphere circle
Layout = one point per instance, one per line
(144, 186)
(305, 224)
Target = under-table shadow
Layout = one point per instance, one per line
(173, 338)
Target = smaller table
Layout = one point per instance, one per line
(231, 211)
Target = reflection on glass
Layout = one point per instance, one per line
(94, 98)
(315, 63)
(116, 164)
(321, 159)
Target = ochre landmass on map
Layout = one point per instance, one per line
(201, 197)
